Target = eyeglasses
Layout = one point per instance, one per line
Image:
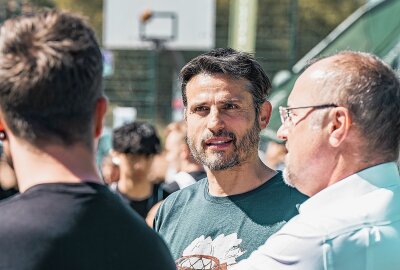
(286, 112)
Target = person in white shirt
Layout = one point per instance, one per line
(342, 133)
(188, 170)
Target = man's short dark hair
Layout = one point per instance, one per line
(137, 138)
(238, 65)
(50, 77)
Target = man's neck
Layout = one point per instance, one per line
(53, 164)
(344, 163)
(344, 169)
(239, 179)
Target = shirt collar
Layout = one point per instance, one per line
(372, 178)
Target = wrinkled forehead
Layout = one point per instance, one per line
(202, 86)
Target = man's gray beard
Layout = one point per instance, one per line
(248, 144)
(218, 164)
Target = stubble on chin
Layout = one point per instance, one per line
(242, 149)
(287, 177)
(214, 161)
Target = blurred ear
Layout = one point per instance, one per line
(339, 126)
(265, 114)
(3, 129)
(3, 125)
(101, 109)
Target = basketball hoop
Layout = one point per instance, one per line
(147, 22)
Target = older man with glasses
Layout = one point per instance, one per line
(342, 133)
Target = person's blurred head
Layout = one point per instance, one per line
(159, 168)
(351, 119)
(135, 145)
(234, 64)
(175, 141)
(224, 93)
(51, 79)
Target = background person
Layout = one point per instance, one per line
(219, 220)
(342, 133)
(188, 170)
(51, 115)
(135, 145)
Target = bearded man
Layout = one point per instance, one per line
(221, 219)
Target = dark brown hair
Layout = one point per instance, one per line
(238, 65)
(50, 77)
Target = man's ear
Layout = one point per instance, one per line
(340, 122)
(265, 114)
(3, 128)
(2, 131)
(101, 109)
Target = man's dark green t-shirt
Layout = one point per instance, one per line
(225, 229)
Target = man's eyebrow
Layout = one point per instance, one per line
(199, 103)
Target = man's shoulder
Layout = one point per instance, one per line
(377, 207)
(56, 203)
(186, 193)
(180, 200)
(9, 205)
(49, 211)
(83, 228)
(190, 190)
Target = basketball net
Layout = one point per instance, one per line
(200, 262)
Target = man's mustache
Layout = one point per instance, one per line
(220, 133)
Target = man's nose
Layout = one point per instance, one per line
(215, 121)
(282, 132)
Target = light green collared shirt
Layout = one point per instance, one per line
(351, 225)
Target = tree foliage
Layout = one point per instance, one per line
(318, 17)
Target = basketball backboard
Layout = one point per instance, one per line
(183, 24)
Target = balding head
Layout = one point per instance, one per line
(370, 90)
(343, 116)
